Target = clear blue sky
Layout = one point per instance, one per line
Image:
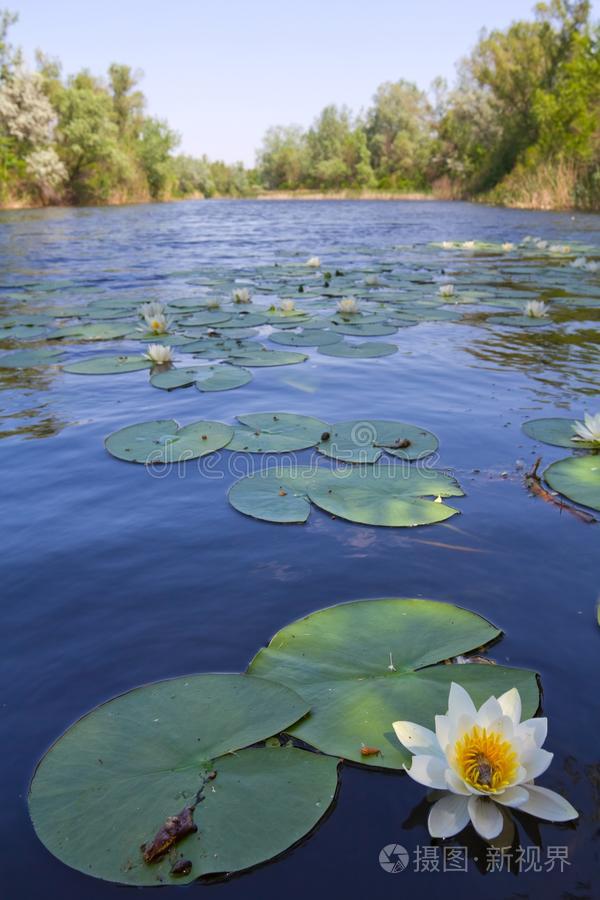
(222, 71)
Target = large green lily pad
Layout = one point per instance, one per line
(277, 432)
(365, 440)
(274, 495)
(366, 664)
(163, 441)
(358, 351)
(577, 478)
(557, 432)
(108, 365)
(365, 329)
(108, 785)
(107, 331)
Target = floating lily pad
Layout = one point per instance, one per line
(108, 785)
(363, 665)
(277, 433)
(577, 478)
(20, 333)
(268, 358)
(520, 321)
(365, 329)
(30, 359)
(557, 432)
(87, 332)
(359, 351)
(243, 320)
(274, 495)
(163, 441)
(389, 496)
(206, 378)
(364, 441)
(108, 365)
(309, 338)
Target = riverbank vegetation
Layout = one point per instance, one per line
(521, 126)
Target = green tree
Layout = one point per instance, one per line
(400, 135)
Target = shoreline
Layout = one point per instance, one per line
(15, 205)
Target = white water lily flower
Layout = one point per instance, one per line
(159, 354)
(213, 303)
(540, 244)
(559, 248)
(241, 295)
(579, 262)
(314, 262)
(157, 323)
(537, 309)
(591, 266)
(588, 430)
(287, 306)
(482, 757)
(372, 281)
(508, 246)
(446, 290)
(447, 245)
(151, 309)
(347, 305)
(468, 245)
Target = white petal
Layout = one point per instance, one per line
(546, 804)
(456, 784)
(511, 705)
(486, 817)
(488, 713)
(448, 816)
(537, 728)
(442, 730)
(512, 796)
(428, 770)
(459, 702)
(416, 738)
(538, 764)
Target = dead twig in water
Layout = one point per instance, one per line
(534, 484)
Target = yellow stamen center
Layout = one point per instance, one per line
(486, 760)
(155, 325)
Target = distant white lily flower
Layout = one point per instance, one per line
(213, 303)
(241, 295)
(314, 262)
(468, 245)
(447, 245)
(372, 281)
(527, 239)
(446, 290)
(591, 266)
(287, 306)
(151, 309)
(540, 244)
(537, 309)
(559, 248)
(507, 246)
(588, 430)
(482, 757)
(578, 263)
(157, 323)
(347, 305)
(159, 354)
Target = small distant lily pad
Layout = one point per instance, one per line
(108, 365)
(277, 433)
(557, 432)
(314, 338)
(359, 351)
(261, 358)
(577, 478)
(206, 378)
(163, 441)
(365, 440)
(30, 359)
(365, 329)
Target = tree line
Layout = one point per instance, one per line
(521, 125)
